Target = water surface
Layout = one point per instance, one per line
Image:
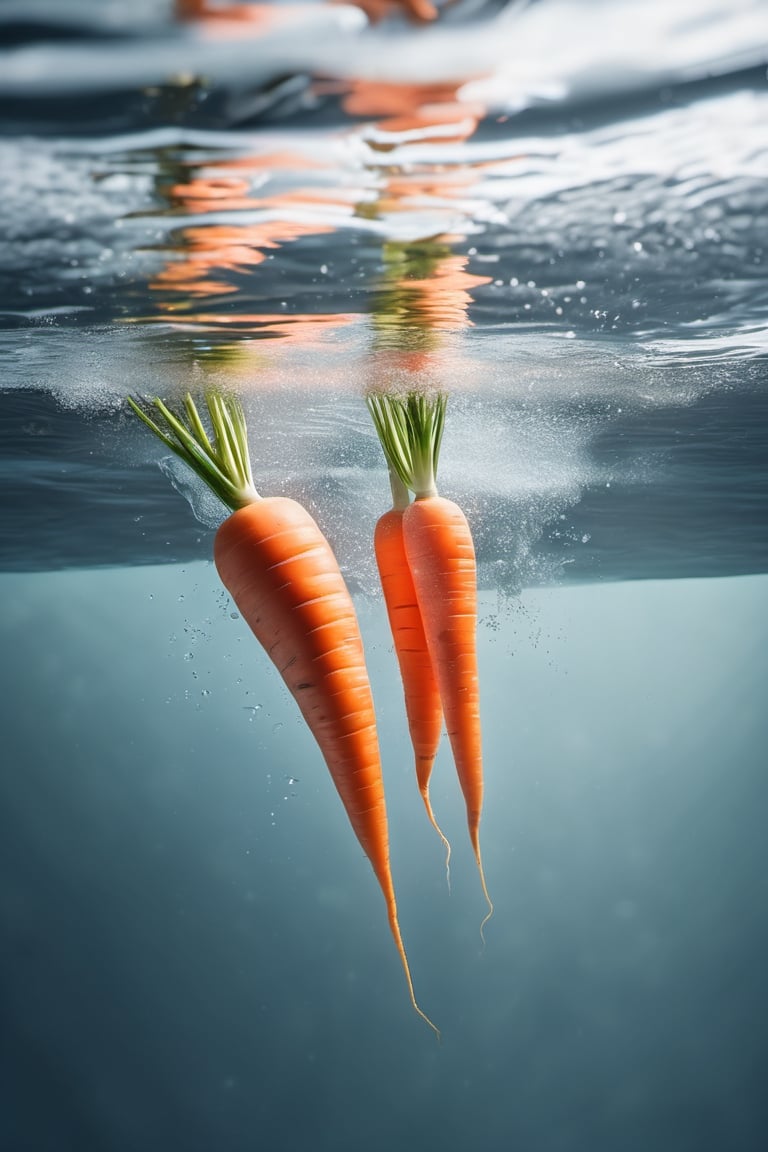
(556, 212)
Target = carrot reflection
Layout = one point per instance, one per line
(425, 283)
(236, 212)
(420, 11)
(221, 248)
(404, 107)
(257, 17)
(425, 286)
(208, 252)
(264, 15)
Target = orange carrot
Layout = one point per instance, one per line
(441, 558)
(285, 580)
(420, 689)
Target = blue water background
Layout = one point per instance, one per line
(193, 950)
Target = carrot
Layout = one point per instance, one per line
(285, 580)
(441, 558)
(421, 693)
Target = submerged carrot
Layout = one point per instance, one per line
(420, 690)
(286, 582)
(441, 559)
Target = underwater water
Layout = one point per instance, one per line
(557, 212)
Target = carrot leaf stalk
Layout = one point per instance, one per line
(401, 497)
(440, 555)
(223, 464)
(411, 431)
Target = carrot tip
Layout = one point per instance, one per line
(483, 923)
(434, 1027)
(488, 900)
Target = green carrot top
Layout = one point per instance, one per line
(410, 429)
(224, 462)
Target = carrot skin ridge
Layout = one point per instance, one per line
(314, 640)
(441, 559)
(420, 689)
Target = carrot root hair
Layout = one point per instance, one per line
(489, 902)
(441, 834)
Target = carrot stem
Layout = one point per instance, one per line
(401, 497)
(411, 431)
(224, 462)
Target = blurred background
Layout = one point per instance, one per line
(554, 210)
